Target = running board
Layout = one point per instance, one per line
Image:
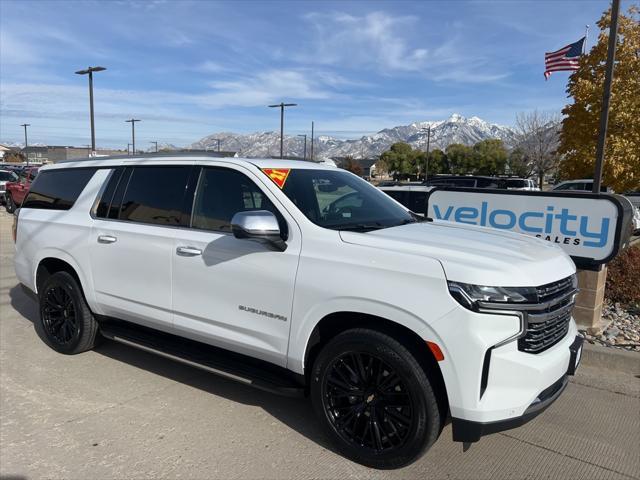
(233, 366)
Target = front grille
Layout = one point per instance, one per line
(547, 322)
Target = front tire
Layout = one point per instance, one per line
(10, 205)
(374, 399)
(65, 318)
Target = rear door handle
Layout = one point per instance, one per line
(106, 239)
(188, 251)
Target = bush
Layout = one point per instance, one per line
(623, 278)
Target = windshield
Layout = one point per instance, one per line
(341, 201)
(8, 176)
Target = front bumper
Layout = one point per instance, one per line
(471, 431)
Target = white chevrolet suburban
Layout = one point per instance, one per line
(304, 280)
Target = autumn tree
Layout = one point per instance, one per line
(579, 133)
(352, 165)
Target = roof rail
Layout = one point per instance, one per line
(150, 155)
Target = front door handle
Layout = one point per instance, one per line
(188, 251)
(106, 239)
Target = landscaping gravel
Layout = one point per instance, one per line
(623, 330)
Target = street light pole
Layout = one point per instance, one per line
(312, 141)
(90, 71)
(218, 140)
(304, 155)
(156, 144)
(606, 95)
(26, 143)
(128, 149)
(426, 162)
(133, 121)
(281, 106)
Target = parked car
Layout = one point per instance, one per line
(17, 190)
(413, 197)
(520, 184)
(465, 181)
(261, 271)
(6, 176)
(585, 185)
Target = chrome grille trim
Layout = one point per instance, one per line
(542, 324)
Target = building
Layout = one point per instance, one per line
(366, 164)
(4, 149)
(58, 153)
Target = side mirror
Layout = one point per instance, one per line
(258, 225)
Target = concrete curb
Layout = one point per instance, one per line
(611, 358)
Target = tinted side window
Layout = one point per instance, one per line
(222, 193)
(58, 189)
(102, 210)
(398, 196)
(154, 195)
(418, 202)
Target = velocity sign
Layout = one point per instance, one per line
(588, 227)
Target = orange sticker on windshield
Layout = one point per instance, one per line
(278, 175)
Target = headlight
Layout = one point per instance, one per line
(468, 295)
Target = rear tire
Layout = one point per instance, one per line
(10, 205)
(374, 399)
(65, 318)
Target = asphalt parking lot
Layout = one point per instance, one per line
(117, 412)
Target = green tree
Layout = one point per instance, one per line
(460, 159)
(518, 163)
(400, 159)
(438, 162)
(580, 127)
(489, 157)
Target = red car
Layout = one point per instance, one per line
(16, 191)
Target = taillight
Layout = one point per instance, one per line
(14, 228)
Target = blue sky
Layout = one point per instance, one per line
(191, 68)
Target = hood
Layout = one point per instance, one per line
(477, 255)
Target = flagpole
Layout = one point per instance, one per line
(586, 37)
(606, 95)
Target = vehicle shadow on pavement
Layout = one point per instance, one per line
(296, 413)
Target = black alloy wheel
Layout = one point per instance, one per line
(59, 315)
(374, 399)
(66, 322)
(367, 402)
(10, 205)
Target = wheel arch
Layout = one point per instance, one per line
(337, 322)
(52, 262)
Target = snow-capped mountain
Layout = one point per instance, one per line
(455, 129)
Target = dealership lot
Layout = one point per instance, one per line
(122, 413)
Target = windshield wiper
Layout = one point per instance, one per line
(415, 218)
(356, 227)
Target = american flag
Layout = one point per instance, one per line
(567, 58)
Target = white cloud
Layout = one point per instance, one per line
(65, 101)
(375, 38)
(389, 44)
(268, 87)
(14, 51)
